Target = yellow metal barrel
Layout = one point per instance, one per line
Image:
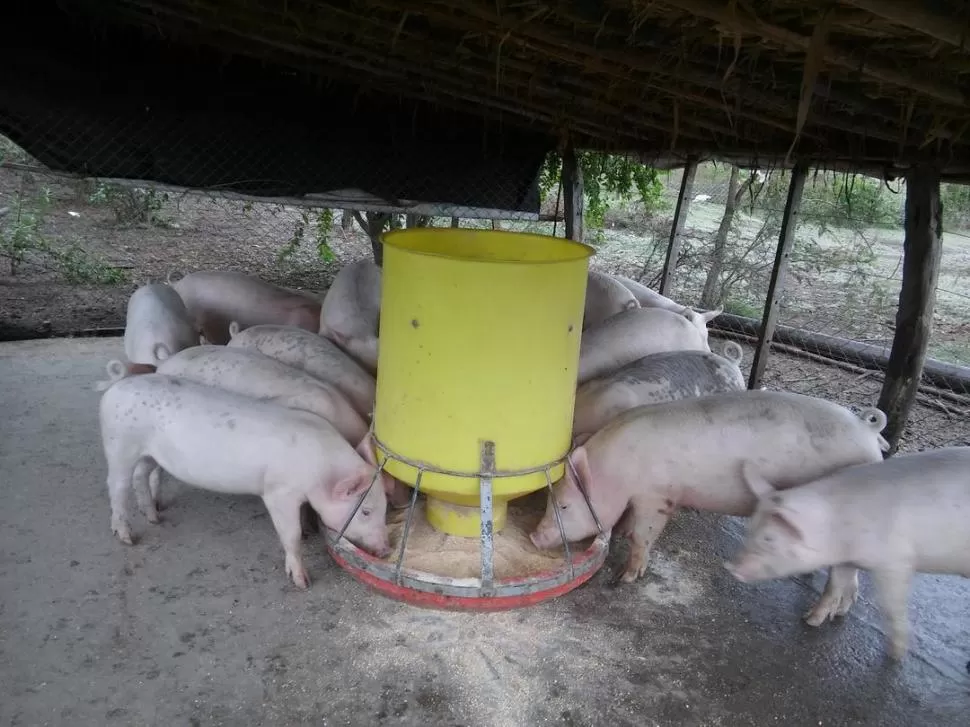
(479, 340)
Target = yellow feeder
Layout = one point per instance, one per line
(479, 340)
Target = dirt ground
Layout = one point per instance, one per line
(198, 625)
(191, 233)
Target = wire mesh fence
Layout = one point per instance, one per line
(838, 304)
(74, 249)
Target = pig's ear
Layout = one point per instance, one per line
(580, 439)
(352, 487)
(365, 450)
(759, 486)
(581, 463)
(710, 315)
(784, 520)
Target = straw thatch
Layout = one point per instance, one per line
(873, 84)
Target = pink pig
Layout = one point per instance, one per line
(651, 460)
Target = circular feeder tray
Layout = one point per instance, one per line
(546, 575)
(496, 572)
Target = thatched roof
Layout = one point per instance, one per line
(868, 83)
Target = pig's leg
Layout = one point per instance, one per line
(143, 492)
(155, 486)
(119, 483)
(648, 519)
(892, 589)
(284, 509)
(840, 593)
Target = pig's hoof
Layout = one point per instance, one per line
(154, 518)
(898, 649)
(123, 533)
(829, 607)
(300, 579)
(630, 575)
(298, 574)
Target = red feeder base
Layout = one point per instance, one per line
(467, 594)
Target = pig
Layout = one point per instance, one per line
(605, 297)
(350, 314)
(648, 298)
(225, 442)
(633, 334)
(251, 373)
(314, 354)
(157, 325)
(649, 461)
(216, 297)
(906, 515)
(655, 379)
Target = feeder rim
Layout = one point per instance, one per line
(387, 238)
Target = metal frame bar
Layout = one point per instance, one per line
(487, 580)
(485, 586)
(677, 226)
(786, 237)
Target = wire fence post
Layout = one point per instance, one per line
(922, 253)
(786, 237)
(677, 226)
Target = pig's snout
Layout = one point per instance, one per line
(542, 538)
(736, 571)
(747, 571)
(380, 548)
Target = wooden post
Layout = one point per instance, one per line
(677, 228)
(454, 222)
(922, 250)
(789, 221)
(373, 224)
(572, 186)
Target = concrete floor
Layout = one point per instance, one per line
(197, 624)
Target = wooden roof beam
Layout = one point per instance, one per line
(916, 17)
(740, 21)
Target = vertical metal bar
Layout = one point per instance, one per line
(407, 526)
(582, 489)
(562, 530)
(677, 227)
(360, 500)
(922, 251)
(786, 237)
(487, 586)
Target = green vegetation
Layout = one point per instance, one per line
(609, 181)
(131, 205)
(22, 239)
(320, 224)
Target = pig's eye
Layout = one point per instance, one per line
(563, 507)
(365, 512)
